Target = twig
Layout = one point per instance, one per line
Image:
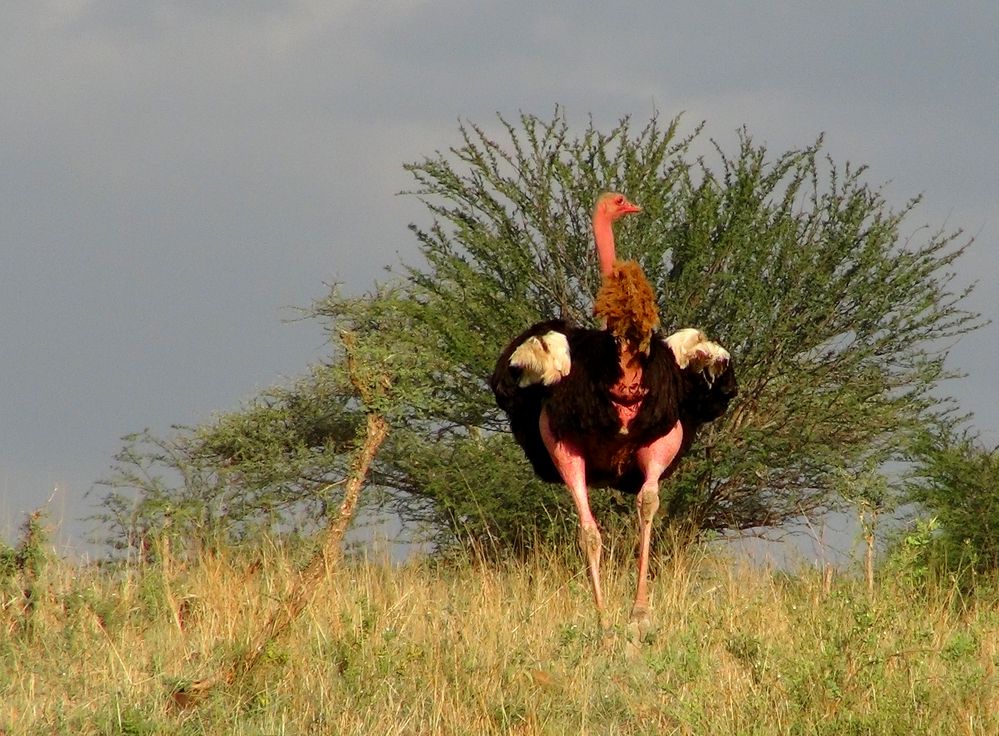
(325, 558)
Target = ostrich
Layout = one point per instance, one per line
(616, 406)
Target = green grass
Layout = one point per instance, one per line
(473, 648)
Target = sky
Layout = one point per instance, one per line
(177, 178)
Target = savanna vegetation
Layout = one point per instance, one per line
(471, 646)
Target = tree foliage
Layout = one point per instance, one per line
(956, 480)
(833, 311)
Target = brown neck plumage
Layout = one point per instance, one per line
(627, 306)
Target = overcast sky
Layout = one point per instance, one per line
(175, 176)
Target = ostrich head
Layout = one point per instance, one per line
(613, 206)
(610, 208)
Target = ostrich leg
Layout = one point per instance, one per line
(572, 467)
(653, 459)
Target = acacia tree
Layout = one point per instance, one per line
(797, 265)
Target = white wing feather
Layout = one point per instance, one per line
(542, 359)
(693, 349)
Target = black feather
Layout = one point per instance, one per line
(580, 406)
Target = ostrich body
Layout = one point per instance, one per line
(616, 406)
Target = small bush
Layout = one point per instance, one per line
(956, 480)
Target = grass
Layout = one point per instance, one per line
(466, 647)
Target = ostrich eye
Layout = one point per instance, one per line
(619, 200)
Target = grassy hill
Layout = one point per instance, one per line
(466, 647)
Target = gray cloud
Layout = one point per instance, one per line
(173, 174)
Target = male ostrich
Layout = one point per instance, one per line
(616, 406)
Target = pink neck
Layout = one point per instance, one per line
(603, 234)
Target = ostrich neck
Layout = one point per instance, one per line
(603, 234)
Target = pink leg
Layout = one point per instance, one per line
(653, 459)
(572, 467)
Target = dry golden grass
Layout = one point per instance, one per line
(474, 648)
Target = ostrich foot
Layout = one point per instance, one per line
(641, 626)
